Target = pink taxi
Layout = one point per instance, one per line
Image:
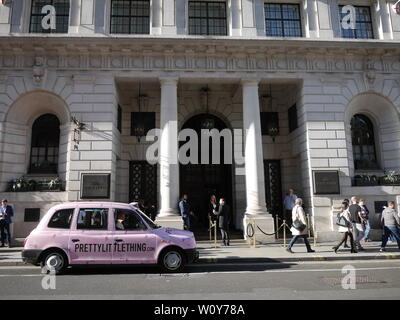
(78, 233)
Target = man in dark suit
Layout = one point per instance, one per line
(184, 210)
(224, 218)
(6, 212)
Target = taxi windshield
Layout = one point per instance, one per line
(150, 222)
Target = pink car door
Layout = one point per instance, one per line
(90, 238)
(133, 242)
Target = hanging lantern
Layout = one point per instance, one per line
(208, 122)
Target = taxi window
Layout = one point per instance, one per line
(128, 220)
(61, 219)
(92, 219)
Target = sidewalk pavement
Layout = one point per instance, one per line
(241, 252)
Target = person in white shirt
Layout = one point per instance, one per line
(299, 215)
(345, 230)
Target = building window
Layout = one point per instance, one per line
(363, 24)
(282, 20)
(32, 215)
(292, 116)
(119, 119)
(44, 145)
(207, 18)
(130, 16)
(62, 16)
(363, 141)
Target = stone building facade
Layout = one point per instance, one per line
(309, 85)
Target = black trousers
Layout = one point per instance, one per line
(344, 239)
(5, 227)
(225, 235)
(288, 217)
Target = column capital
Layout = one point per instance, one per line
(168, 80)
(250, 82)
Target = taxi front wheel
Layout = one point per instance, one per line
(54, 261)
(172, 260)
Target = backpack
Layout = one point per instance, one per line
(342, 221)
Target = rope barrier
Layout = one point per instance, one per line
(251, 232)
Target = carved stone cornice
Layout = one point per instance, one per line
(209, 55)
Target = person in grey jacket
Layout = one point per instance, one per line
(391, 223)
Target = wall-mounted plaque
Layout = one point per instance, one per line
(326, 182)
(95, 186)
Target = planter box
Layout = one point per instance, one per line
(384, 182)
(365, 183)
(38, 186)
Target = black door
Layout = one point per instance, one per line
(273, 188)
(200, 181)
(143, 182)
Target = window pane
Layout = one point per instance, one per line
(363, 24)
(92, 219)
(62, 16)
(130, 17)
(61, 219)
(207, 18)
(362, 133)
(282, 20)
(128, 220)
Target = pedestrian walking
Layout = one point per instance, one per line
(299, 226)
(6, 212)
(289, 203)
(365, 219)
(345, 228)
(391, 223)
(184, 209)
(356, 220)
(224, 218)
(347, 201)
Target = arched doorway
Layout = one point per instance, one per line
(200, 181)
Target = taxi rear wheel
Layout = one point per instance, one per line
(172, 260)
(54, 260)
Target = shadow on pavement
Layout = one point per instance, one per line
(271, 264)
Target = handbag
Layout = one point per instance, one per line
(298, 225)
(342, 221)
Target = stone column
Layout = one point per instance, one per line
(254, 163)
(75, 19)
(169, 166)
(157, 17)
(236, 21)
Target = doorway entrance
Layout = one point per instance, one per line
(200, 181)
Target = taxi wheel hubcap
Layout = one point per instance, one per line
(54, 261)
(172, 260)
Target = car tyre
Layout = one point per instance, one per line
(55, 260)
(172, 260)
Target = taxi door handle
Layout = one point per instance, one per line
(75, 240)
(119, 240)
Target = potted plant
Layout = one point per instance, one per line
(365, 180)
(19, 184)
(391, 178)
(54, 184)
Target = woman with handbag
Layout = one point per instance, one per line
(299, 226)
(345, 225)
